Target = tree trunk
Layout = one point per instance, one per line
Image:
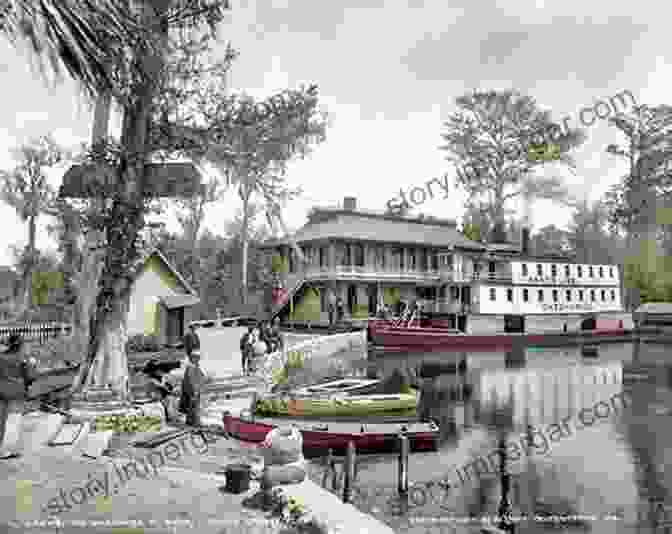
(245, 245)
(107, 360)
(29, 265)
(87, 284)
(110, 365)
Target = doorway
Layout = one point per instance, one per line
(372, 292)
(352, 298)
(466, 295)
(175, 325)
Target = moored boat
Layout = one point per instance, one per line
(351, 386)
(395, 337)
(367, 436)
(338, 405)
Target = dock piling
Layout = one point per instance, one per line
(403, 465)
(349, 470)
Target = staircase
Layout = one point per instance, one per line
(293, 283)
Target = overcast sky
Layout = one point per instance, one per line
(389, 73)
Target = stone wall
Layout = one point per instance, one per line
(320, 348)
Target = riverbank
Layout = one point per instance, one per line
(185, 495)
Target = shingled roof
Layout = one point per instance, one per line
(139, 265)
(383, 229)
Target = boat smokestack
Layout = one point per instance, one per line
(525, 241)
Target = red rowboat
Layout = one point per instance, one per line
(366, 436)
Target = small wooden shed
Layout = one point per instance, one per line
(162, 301)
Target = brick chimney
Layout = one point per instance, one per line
(350, 203)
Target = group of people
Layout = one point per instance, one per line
(260, 339)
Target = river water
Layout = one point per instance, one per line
(598, 442)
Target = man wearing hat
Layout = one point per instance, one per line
(16, 376)
(192, 386)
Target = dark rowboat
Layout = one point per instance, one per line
(367, 436)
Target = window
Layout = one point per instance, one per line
(555, 295)
(568, 295)
(601, 272)
(591, 272)
(611, 272)
(580, 295)
(509, 295)
(493, 294)
(359, 254)
(540, 295)
(603, 294)
(411, 260)
(526, 295)
(554, 270)
(592, 295)
(568, 273)
(454, 292)
(323, 256)
(579, 271)
(540, 270)
(613, 295)
(524, 267)
(397, 258)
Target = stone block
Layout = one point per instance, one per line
(96, 443)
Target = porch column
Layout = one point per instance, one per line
(332, 255)
(387, 253)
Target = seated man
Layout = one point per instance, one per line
(160, 388)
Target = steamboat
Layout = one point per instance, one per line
(417, 282)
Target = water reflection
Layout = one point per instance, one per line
(615, 466)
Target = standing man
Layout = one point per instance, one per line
(191, 340)
(192, 386)
(340, 306)
(331, 306)
(246, 348)
(16, 375)
(277, 335)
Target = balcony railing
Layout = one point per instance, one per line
(451, 275)
(450, 306)
(313, 272)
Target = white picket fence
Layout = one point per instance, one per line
(35, 332)
(318, 347)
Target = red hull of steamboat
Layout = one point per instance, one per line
(385, 335)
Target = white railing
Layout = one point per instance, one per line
(371, 272)
(452, 275)
(319, 347)
(36, 332)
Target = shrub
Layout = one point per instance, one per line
(360, 311)
(279, 264)
(142, 343)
